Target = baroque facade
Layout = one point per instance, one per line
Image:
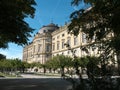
(50, 41)
(40, 50)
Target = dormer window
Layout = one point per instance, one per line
(44, 31)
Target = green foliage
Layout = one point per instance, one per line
(91, 63)
(13, 28)
(82, 61)
(101, 24)
(26, 65)
(93, 66)
(103, 18)
(52, 63)
(62, 61)
(10, 65)
(59, 61)
(2, 56)
(31, 65)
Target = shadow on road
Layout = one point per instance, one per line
(34, 84)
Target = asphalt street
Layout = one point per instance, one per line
(34, 83)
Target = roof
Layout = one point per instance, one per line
(51, 25)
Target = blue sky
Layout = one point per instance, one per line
(47, 11)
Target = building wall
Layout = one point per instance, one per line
(61, 37)
(51, 41)
(40, 48)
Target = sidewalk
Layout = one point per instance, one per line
(37, 76)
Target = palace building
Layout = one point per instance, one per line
(51, 40)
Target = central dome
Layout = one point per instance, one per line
(48, 28)
(51, 25)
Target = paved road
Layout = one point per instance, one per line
(34, 84)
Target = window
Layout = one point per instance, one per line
(49, 30)
(58, 37)
(75, 40)
(44, 31)
(48, 39)
(53, 38)
(53, 47)
(34, 48)
(63, 35)
(69, 41)
(47, 48)
(58, 45)
(84, 38)
(39, 47)
(47, 56)
(63, 41)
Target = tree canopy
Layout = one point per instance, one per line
(100, 22)
(13, 28)
(2, 56)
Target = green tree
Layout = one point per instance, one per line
(25, 66)
(92, 66)
(101, 25)
(52, 64)
(13, 28)
(63, 61)
(2, 56)
(35, 64)
(16, 64)
(69, 63)
(101, 22)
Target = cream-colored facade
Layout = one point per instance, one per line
(40, 50)
(50, 41)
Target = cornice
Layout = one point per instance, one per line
(61, 29)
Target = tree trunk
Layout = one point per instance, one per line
(44, 70)
(62, 72)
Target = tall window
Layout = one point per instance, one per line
(48, 39)
(53, 38)
(47, 48)
(63, 42)
(75, 40)
(69, 41)
(58, 45)
(39, 47)
(53, 47)
(84, 38)
(34, 48)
